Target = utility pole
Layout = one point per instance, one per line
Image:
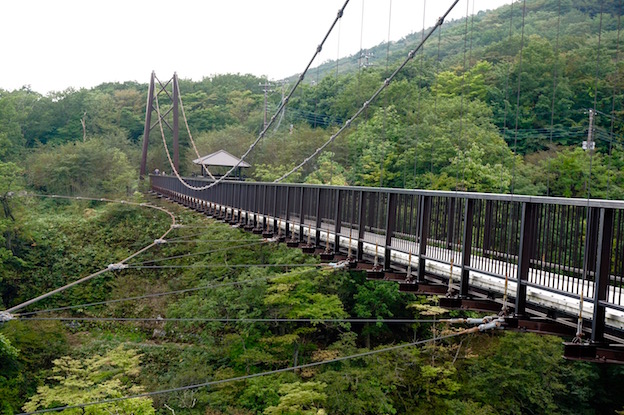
(364, 59)
(267, 88)
(590, 144)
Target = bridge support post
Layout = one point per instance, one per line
(256, 206)
(450, 230)
(301, 214)
(593, 239)
(423, 234)
(176, 122)
(148, 123)
(275, 211)
(242, 203)
(528, 231)
(466, 247)
(338, 222)
(317, 223)
(264, 207)
(390, 227)
(287, 216)
(361, 227)
(487, 228)
(603, 268)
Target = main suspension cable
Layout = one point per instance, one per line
(283, 103)
(552, 105)
(191, 138)
(615, 84)
(385, 84)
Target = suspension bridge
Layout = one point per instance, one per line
(542, 264)
(548, 264)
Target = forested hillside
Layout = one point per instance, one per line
(487, 88)
(46, 364)
(497, 102)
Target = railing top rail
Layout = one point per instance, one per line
(600, 203)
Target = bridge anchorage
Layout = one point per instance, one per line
(545, 263)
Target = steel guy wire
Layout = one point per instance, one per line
(227, 248)
(100, 272)
(192, 241)
(230, 320)
(192, 236)
(153, 295)
(254, 375)
(199, 266)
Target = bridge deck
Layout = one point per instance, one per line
(552, 251)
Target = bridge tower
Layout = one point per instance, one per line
(170, 91)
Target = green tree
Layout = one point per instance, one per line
(375, 300)
(95, 378)
(470, 85)
(327, 172)
(91, 168)
(530, 377)
(299, 398)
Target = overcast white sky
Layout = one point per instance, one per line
(55, 44)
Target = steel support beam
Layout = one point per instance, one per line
(338, 220)
(603, 268)
(528, 231)
(466, 248)
(176, 123)
(424, 224)
(390, 226)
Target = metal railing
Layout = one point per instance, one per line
(566, 247)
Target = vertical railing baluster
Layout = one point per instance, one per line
(301, 215)
(287, 215)
(424, 222)
(390, 226)
(361, 227)
(338, 222)
(317, 224)
(466, 247)
(528, 230)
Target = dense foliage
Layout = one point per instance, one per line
(488, 89)
(482, 110)
(46, 364)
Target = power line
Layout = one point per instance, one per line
(255, 375)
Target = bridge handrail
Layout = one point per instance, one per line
(574, 246)
(600, 203)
